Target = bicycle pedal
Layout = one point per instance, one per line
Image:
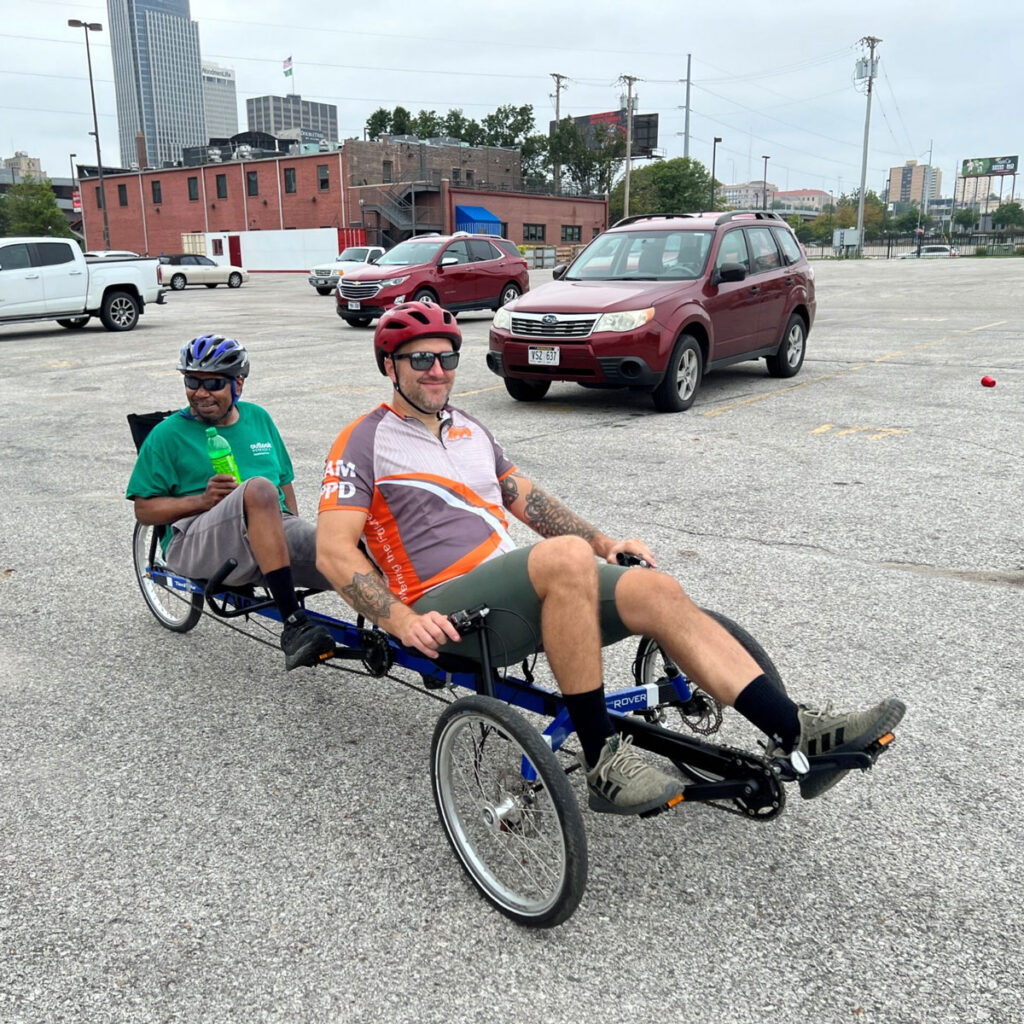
(655, 811)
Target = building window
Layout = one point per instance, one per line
(533, 232)
(595, 233)
(323, 177)
(99, 197)
(469, 175)
(387, 173)
(252, 183)
(218, 246)
(572, 233)
(158, 193)
(222, 186)
(456, 175)
(122, 195)
(193, 188)
(289, 179)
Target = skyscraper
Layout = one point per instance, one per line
(220, 101)
(157, 83)
(276, 114)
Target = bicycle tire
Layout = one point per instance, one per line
(178, 611)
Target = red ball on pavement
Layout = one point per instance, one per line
(988, 382)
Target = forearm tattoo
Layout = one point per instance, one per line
(509, 491)
(550, 518)
(368, 594)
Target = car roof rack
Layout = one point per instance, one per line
(755, 214)
(651, 216)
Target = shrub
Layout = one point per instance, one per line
(982, 250)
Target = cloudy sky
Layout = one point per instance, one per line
(775, 79)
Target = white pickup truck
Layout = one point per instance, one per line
(324, 277)
(50, 279)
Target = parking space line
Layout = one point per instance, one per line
(849, 369)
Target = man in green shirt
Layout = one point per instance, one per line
(211, 517)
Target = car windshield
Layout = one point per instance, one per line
(410, 253)
(352, 254)
(643, 255)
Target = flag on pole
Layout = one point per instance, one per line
(288, 68)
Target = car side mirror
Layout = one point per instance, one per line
(559, 272)
(449, 261)
(730, 272)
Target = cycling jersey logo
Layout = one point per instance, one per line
(338, 467)
(459, 433)
(340, 489)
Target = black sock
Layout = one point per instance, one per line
(767, 707)
(282, 590)
(589, 715)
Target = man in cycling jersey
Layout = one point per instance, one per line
(425, 487)
(211, 516)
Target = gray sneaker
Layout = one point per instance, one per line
(823, 732)
(623, 783)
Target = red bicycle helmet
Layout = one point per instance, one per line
(411, 320)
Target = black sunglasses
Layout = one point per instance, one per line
(210, 383)
(421, 361)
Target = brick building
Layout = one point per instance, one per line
(149, 211)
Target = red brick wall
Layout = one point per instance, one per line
(517, 209)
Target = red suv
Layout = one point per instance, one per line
(657, 301)
(460, 271)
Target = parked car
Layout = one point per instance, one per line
(111, 254)
(931, 252)
(184, 268)
(324, 277)
(460, 272)
(50, 279)
(656, 302)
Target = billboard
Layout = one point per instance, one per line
(645, 129)
(983, 166)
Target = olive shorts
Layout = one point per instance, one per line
(503, 585)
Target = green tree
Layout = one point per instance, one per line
(508, 125)
(30, 208)
(966, 219)
(401, 122)
(666, 186)
(590, 165)
(378, 123)
(535, 156)
(1009, 215)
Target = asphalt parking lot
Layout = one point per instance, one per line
(188, 833)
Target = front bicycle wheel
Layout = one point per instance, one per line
(508, 811)
(703, 714)
(176, 609)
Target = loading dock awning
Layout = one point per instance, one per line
(477, 219)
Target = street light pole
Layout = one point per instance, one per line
(764, 191)
(87, 27)
(714, 147)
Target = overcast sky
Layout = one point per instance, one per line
(775, 79)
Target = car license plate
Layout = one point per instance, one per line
(321, 280)
(355, 305)
(543, 355)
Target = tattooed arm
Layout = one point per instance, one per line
(356, 579)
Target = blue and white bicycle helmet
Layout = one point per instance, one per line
(213, 353)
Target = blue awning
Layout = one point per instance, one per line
(477, 219)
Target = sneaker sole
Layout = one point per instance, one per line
(667, 800)
(885, 723)
(308, 657)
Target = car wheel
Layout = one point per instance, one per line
(325, 291)
(679, 386)
(235, 280)
(526, 390)
(508, 293)
(425, 295)
(74, 323)
(358, 321)
(790, 357)
(120, 311)
(178, 282)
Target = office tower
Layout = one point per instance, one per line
(277, 114)
(157, 83)
(220, 101)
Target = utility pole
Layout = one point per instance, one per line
(870, 69)
(686, 125)
(629, 80)
(559, 79)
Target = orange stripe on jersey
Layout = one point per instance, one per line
(385, 544)
(470, 497)
(466, 563)
(329, 488)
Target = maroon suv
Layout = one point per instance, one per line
(460, 271)
(657, 301)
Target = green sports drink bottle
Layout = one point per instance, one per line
(220, 454)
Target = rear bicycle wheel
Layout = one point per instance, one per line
(520, 839)
(703, 714)
(177, 610)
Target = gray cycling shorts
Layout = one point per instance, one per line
(503, 584)
(201, 544)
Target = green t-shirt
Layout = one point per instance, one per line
(173, 461)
